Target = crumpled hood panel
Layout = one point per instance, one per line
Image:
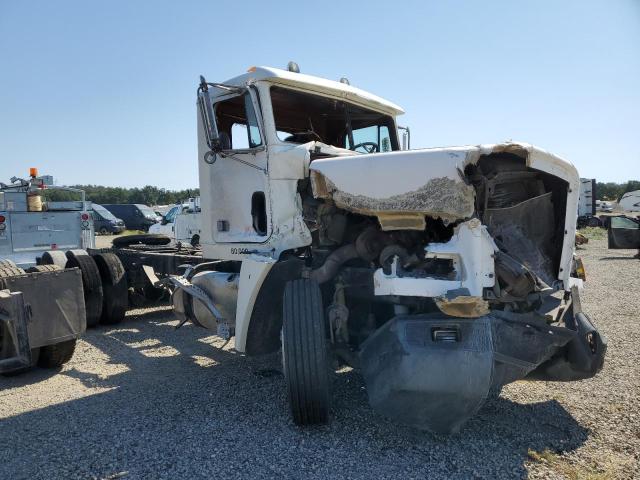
(400, 188)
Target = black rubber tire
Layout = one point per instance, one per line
(54, 257)
(142, 239)
(53, 356)
(103, 231)
(44, 268)
(195, 240)
(76, 252)
(304, 352)
(92, 286)
(115, 290)
(8, 263)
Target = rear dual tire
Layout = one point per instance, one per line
(304, 352)
(114, 288)
(91, 285)
(104, 283)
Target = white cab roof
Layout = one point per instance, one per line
(316, 84)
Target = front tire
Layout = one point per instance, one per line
(304, 352)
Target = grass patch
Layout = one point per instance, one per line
(593, 232)
(562, 466)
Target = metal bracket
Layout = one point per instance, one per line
(196, 292)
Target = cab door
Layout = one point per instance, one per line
(239, 197)
(624, 232)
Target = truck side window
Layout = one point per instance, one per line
(623, 222)
(237, 119)
(171, 215)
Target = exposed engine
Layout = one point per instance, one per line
(510, 201)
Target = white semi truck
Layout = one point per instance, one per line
(442, 274)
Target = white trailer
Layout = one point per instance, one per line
(587, 199)
(50, 288)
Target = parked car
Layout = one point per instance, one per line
(604, 206)
(181, 223)
(105, 222)
(136, 216)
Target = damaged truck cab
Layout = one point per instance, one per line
(442, 274)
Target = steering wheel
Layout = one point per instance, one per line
(369, 147)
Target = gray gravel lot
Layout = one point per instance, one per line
(145, 401)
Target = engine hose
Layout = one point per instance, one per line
(332, 264)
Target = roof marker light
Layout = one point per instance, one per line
(293, 67)
(251, 69)
(345, 80)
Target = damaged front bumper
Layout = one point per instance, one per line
(434, 372)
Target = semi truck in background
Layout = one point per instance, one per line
(50, 288)
(31, 225)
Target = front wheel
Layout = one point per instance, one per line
(304, 352)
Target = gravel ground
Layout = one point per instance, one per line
(145, 401)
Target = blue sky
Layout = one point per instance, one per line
(104, 92)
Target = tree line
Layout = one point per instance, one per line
(614, 191)
(149, 195)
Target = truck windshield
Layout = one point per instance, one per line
(103, 212)
(147, 211)
(305, 117)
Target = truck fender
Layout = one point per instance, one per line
(253, 272)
